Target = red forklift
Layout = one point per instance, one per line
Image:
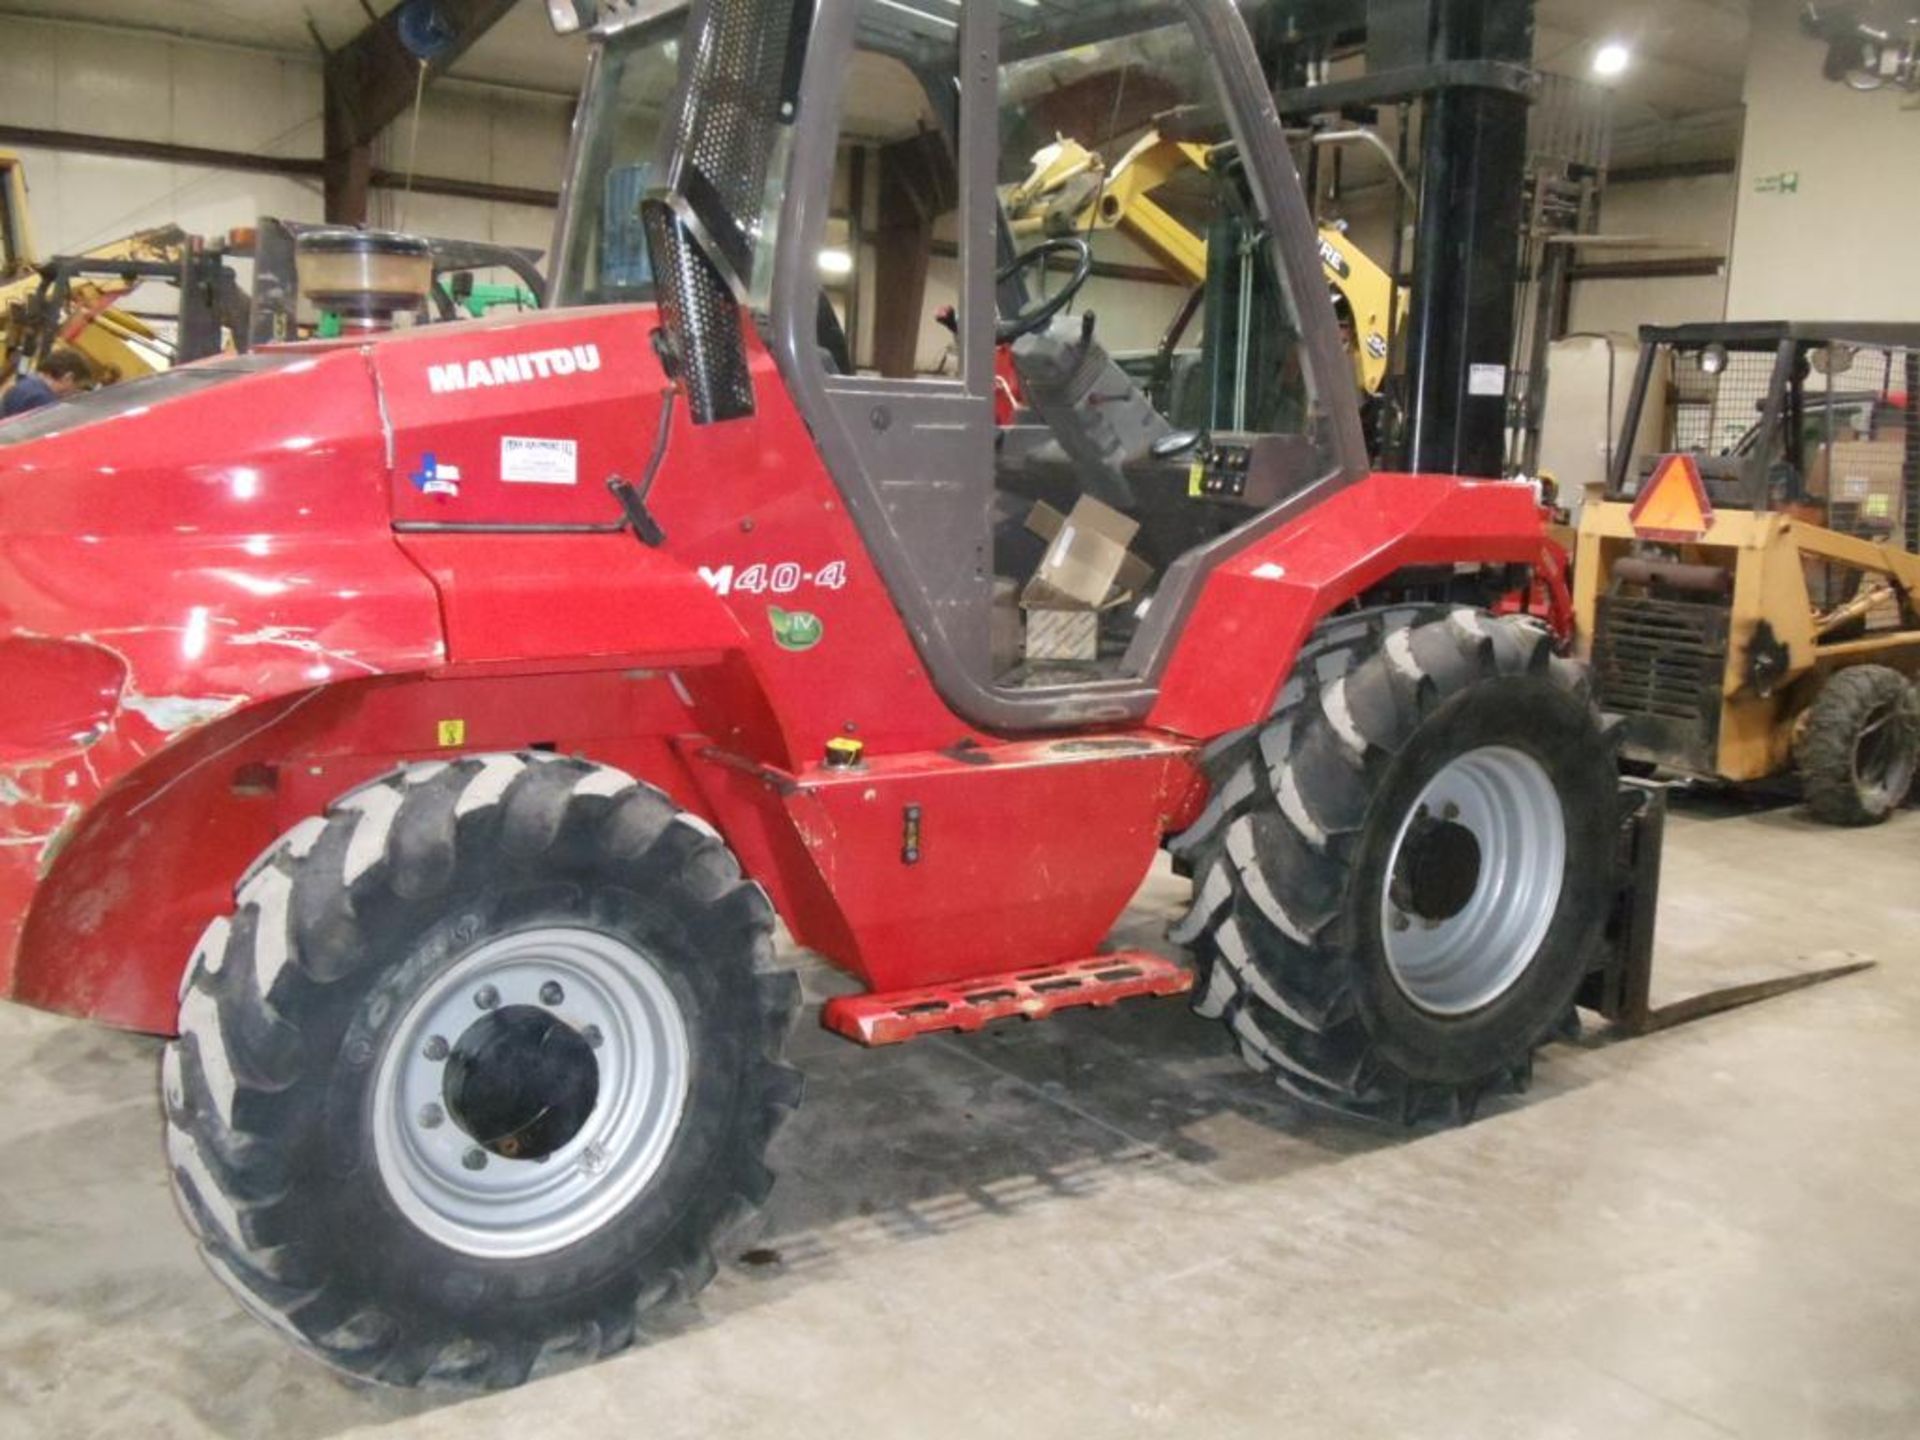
(426, 730)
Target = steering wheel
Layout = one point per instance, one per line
(1037, 316)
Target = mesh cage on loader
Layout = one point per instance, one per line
(1856, 435)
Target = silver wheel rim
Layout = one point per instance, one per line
(613, 997)
(1883, 756)
(1462, 954)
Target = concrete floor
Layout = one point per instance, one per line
(1102, 1226)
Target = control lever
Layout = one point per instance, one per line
(633, 498)
(633, 502)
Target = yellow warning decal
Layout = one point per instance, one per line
(453, 734)
(1674, 505)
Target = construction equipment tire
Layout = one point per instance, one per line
(479, 1071)
(1400, 879)
(1858, 749)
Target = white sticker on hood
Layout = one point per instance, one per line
(526, 461)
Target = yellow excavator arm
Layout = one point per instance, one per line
(16, 228)
(1069, 191)
(116, 344)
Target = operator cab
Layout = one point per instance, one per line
(1111, 384)
(1047, 440)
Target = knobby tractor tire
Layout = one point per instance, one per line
(1858, 751)
(408, 972)
(1401, 877)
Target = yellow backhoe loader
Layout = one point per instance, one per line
(85, 317)
(1070, 191)
(1748, 586)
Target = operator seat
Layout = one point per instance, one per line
(1093, 410)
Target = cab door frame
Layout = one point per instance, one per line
(914, 459)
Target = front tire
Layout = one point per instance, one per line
(1859, 748)
(1401, 877)
(481, 1068)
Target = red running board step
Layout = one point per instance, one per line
(1030, 994)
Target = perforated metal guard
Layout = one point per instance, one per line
(703, 319)
(730, 116)
(736, 93)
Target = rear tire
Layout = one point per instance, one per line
(1858, 752)
(479, 1071)
(1401, 877)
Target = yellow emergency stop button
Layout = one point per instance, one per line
(844, 752)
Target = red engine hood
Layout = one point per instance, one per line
(221, 539)
(174, 551)
(224, 533)
(229, 525)
(520, 421)
(223, 527)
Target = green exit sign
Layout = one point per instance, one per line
(1787, 182)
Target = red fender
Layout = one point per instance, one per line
(111, 920)
(1257, 610)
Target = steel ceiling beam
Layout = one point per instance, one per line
(294, 167)
(371, 80)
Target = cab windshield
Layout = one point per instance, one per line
(600, 257)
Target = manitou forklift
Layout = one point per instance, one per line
(478, 695)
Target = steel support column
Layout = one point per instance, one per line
(1467, 248)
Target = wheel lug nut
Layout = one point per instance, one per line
(431, 1116)
(474, 1159)
(436, 1048)
(486, 997)
(551, 993)
(1400, 922)
(592, 1036)
(1452, 812)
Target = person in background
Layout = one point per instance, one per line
(64, 373)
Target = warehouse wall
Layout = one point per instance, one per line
(93, 80)
(477, 132)
(1693, 210)
(1696, 210)
(1837, 244)
(90, 79)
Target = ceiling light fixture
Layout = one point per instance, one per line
(1612, 59)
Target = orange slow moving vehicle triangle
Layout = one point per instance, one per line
(1674, 506)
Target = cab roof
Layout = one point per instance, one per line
(1771, 334)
